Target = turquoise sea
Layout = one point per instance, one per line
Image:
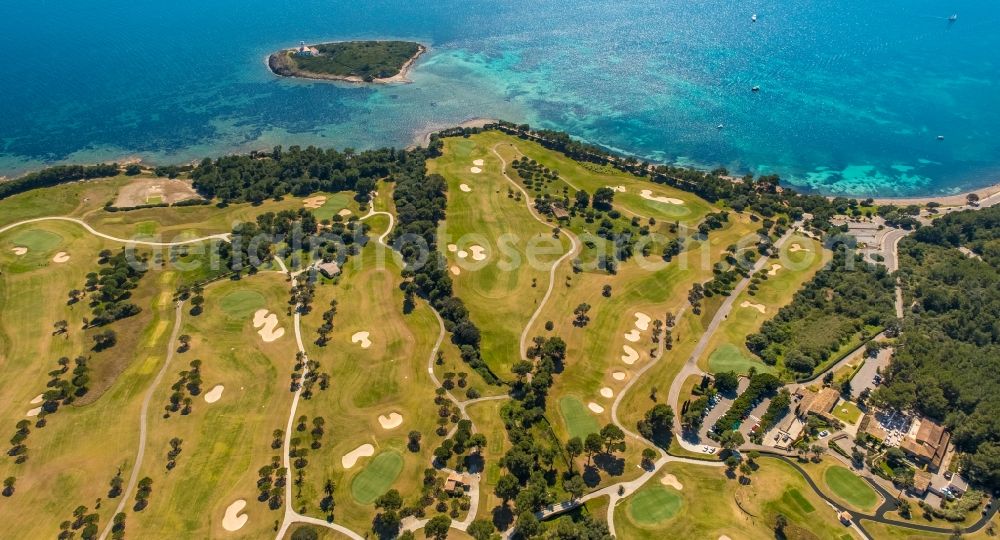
(853, 95)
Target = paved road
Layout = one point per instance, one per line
(91, 230)
(143, 414)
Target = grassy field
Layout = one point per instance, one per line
(711, 505)
(727, 350)
(502, 291)
(377, 477)
(226, 442)
(849, 487)
(654, 504)
(82, 445)
(848, 412)
(579, 421)
(390, 376)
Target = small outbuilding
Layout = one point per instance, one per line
(329, 269)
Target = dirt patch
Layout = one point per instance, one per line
(455, 270)
(143, 191)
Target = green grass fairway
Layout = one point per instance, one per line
(146, 227)
(154, 200)
(578, 419)
(796, 496)
(656, 504)
(850, 487)
(377, 477)
(729, 358)
(242, 303)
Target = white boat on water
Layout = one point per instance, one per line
(753, 18)
(953, 18)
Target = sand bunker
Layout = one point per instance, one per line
(632, 335)
(19, 250)
(648, 195)
(795, 247)
(267, 323)
(774, 269)
(617, 188)
(630, 355)
(478, 162)
(362, 338)
(455, 270)
(38, 399)
(34, 412)
(607, 392)
(478, 253)
(214, 394)
(724, 537)
(351, 458)
(642, 321)
(462, 254)
(452, 248)
(595, 407)
(235, 519)
(475, 170)
(344, 213)
(618, 375)
(672, 481)
(60, 257)
(313, 203)
(465, 188)
(758, 307)
(391, 421)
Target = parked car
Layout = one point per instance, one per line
(823, 434)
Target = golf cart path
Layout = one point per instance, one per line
(224, 236)
(574, 250)
(141, 453)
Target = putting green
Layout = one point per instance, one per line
(377, 477)
(850, 487)
(579, 421)
(36, 240)
(242, 303)
(655, 504)
(334, 203)
(729, 358)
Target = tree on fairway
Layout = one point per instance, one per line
(437, 527)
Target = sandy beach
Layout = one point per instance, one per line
(423, 136)
(959, 199)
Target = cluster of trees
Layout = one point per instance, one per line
(537, 177)
(776, 410)
(175, 450)
(420, 205)
(142, 493)
(835, 306)
(53, 176)
(948, 353)
(66, 391)
(188, 384)
(326, 328)
(295, 171)
(271, 480)
(762, 385)
(656, 425)
(112, 286)
(83, 521)
(17, 449)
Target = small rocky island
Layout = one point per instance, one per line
(352, 61)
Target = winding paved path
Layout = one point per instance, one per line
(224, 237)
(574, 250)
(143, 414)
